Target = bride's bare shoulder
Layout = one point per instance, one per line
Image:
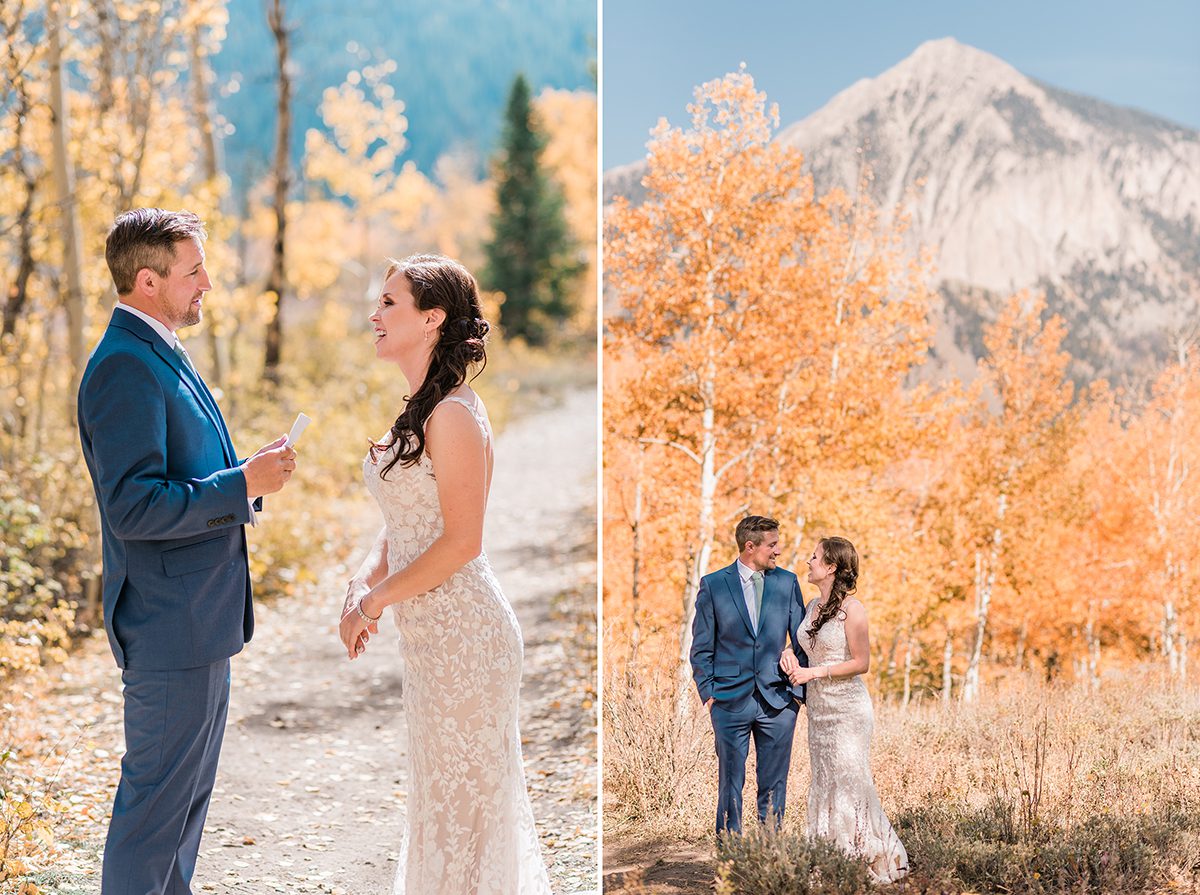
(854, 608)
(457, 413)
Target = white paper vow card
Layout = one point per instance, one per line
(298, 428)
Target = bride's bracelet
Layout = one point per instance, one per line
(358, 608)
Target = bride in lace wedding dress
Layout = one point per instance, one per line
(469, 825)
(843, 805)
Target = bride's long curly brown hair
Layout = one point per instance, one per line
(438, 282)
(839, 553)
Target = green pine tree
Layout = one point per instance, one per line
(531, 257)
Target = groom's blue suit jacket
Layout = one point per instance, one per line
(730, 660)
(172, 504)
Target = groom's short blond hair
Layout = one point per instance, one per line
(751, 530)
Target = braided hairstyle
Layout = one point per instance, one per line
(438, 282)
(839, 553)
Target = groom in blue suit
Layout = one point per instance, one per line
(173, 500)
(745, 615)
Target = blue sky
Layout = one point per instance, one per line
(1145, 54)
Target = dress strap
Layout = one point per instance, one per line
(474, 412)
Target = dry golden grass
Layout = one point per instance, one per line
(1036, 788)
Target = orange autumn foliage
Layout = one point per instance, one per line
(764, 354)
(747, 309)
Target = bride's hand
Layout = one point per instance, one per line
(356, 592)
(804, 675)
(354, 630)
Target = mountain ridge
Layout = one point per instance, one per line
(1018, 184)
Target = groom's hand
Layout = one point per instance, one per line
(269, 469)
(788, 662)
(708, 705)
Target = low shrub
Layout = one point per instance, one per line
(763, 861)
(983, 850)
(41, 550)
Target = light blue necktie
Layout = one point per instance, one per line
(183, 355)
(757, 580)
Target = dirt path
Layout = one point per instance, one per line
(659, 867)
(310, 789)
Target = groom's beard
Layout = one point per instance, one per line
(193, 313)
(190, 317)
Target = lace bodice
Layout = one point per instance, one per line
(830, 648)
(408, 496)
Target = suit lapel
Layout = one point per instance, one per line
(193, 378)
(140, 329)
(192, 381)
(230, 451)
(734, 580)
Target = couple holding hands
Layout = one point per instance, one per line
(174, 499)
(757, 654)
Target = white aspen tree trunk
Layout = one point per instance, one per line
(708, 489)
(18, 291)
(890, 664)
(212, 169)
(1170, 633)
(635, 636)
(908, 663)
(835, 361)
(1166, 511)
(72, 234)
(970, 687)
(1093, 649)
(947, 669)
(277, 280)
(705, 525)
(64, 184)
(985, 582)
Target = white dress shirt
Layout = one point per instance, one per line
(744, 572)
(168, 334)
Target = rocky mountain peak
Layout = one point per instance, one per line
(1014, 183)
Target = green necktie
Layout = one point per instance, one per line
(757, 580)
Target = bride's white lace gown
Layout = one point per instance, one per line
(470, 827)
(843, 805)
